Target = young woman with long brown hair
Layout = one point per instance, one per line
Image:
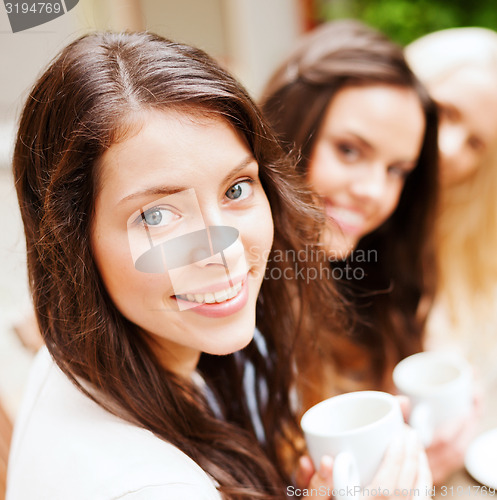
(152, 193)
(366, 132)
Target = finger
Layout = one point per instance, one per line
(444, 459)
(304, 473)
(325, 471)
(410, 463)
(322, 480)
(424, 480)
(444, 463)
(386, 476)
(405, 406)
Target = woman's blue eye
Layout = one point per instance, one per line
(240, 190)
(158, 217)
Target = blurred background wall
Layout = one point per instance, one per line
(249, 36)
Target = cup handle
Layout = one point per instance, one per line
(345, 476)
(421, 420)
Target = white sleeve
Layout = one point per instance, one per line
(170, 491)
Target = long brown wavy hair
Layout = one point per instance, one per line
(334, 56)
(78, 108)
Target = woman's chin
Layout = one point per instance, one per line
(234, 344)
(339, 246)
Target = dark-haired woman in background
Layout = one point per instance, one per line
(366, 132)
(152, 192)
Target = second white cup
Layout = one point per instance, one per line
(439, 385)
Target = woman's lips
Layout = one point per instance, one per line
(349, 220)
(216, 304)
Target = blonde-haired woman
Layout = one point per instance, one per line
(459, 67)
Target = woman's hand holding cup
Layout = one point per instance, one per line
(403, 473)
(374, 453)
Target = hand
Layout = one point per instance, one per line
(404, 469)
(315, 482)
(447, 450)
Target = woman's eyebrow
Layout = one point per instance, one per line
(361, 139)
(154, 191)
(243, 164)
(350, 134)
(167, 190)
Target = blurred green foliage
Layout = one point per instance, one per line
(406, 20)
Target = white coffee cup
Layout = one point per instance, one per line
(439, 385)
(355, 429)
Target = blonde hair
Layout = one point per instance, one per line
(466, 226)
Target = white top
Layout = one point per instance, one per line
(65, 446)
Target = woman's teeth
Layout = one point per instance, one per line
(212, 297)
(346, 216)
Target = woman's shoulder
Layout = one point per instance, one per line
(67, 446)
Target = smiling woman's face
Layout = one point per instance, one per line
(158, 191)
(467, 99)
(368, 143)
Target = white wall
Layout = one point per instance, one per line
(259, 34)
(249, 36)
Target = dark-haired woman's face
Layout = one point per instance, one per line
(181, 235)
(368, 143)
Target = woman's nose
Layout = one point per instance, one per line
(222, 243)
(215, 245)
(451, 141)
(455, 156)
(370, 184)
